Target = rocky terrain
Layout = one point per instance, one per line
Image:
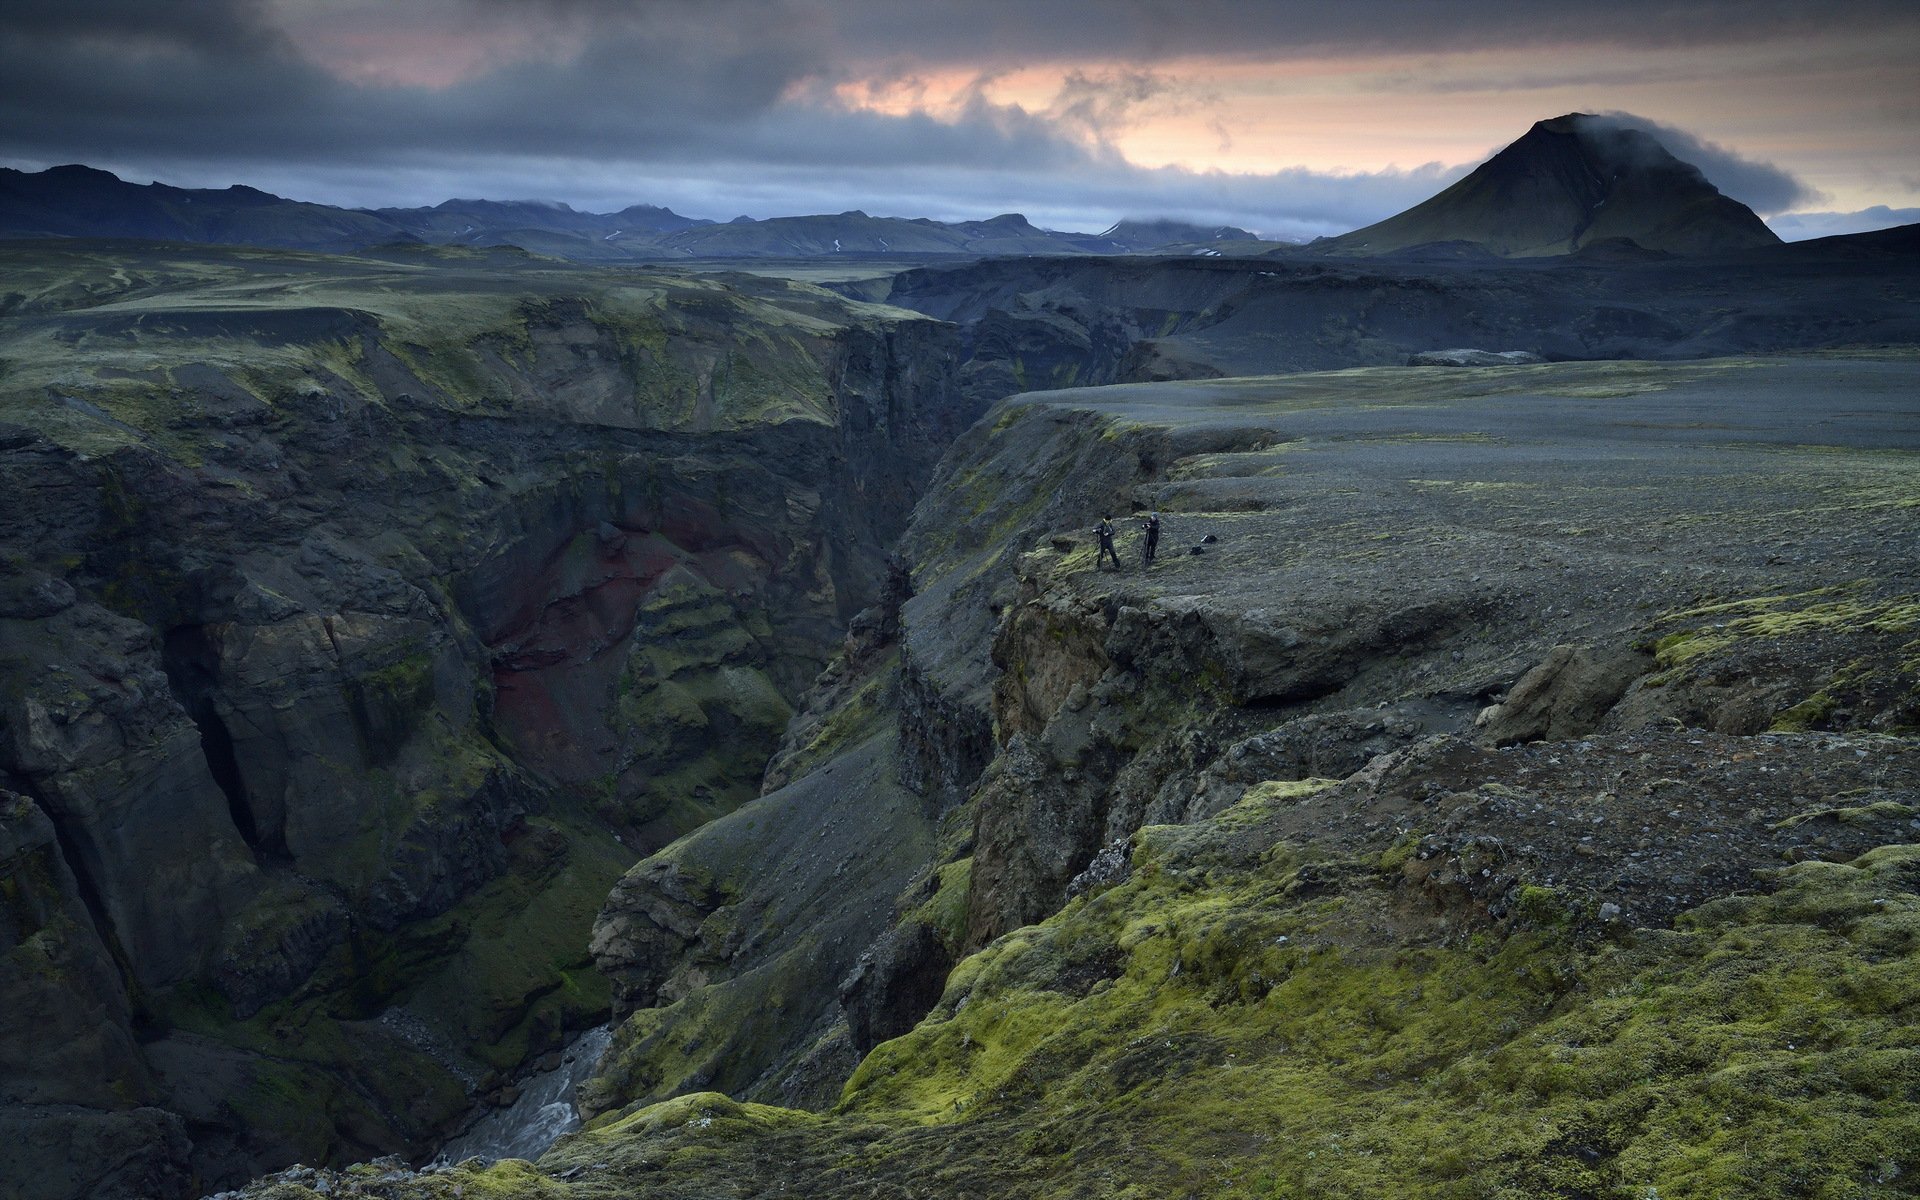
(1504, 772)
(1505, 781)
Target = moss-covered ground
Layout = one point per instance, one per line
(1222, 1024)
(1852, 652)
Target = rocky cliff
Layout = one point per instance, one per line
(361, 623)
(1502, 779)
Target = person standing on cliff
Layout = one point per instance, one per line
(1151, 526)
(1104, 531)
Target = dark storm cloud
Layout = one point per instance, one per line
(1156, 30)
(662, 93)
(198, 26)
(704, 94)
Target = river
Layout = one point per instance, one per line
(543, 1111)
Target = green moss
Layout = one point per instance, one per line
(1859, 647)
(1543, 907)
(1849, 814)
(309, 1078)
(509, 1179)
(698, 1039)
(1229, 1049)
(429, 761)
(945, 912)
(856, 718)
(138, 578)
(1811, 713)
(1009, 413)
(1400, 853)
(1283, 791)
(386, 704)
(693, 718)
(505, 974)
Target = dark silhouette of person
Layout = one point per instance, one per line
(1104, 531)
(1151, 525)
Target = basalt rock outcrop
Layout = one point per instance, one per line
(360, 624)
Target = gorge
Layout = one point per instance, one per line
(1505, 778)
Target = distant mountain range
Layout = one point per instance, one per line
(79, 201)
(1573, 184)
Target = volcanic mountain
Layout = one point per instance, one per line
(1569, 183)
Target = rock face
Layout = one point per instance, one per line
(1384, 721)
(1122, 695)
(1073, 775)
(1109, 702)
(344, 644)
(1572, 182)
(76, 1097)
(726, 949)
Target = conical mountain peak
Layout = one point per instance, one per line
(1568, 182)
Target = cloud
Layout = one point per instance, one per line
(1007, 32)
(1761, 186)
(193, 26)
(1105, 103)
(659, 112)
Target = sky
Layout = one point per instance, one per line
(1286, 117)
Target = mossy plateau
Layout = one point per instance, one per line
(286, 329)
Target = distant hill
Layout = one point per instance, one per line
(79, 201)
(464, 221)
(1566, 184)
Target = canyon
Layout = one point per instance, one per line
(409, 661)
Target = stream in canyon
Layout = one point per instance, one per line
(542, 1112)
